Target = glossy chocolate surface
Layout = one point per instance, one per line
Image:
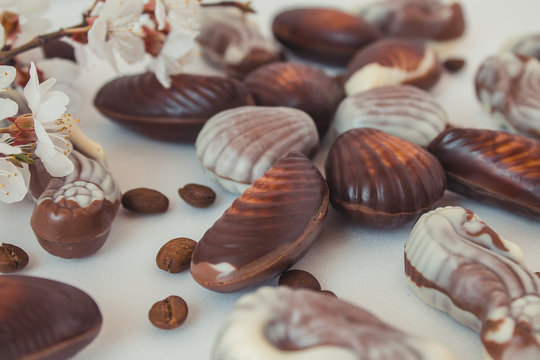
(266, 230)
(44, 319)
(140, 103)
(492, 166)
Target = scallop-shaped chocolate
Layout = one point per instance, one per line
(380, 180)
(141, 103)
(492, 166)
(392, 61)
(237, 146)
(266, 230)
(321, 34)
(44, 319)
(299, 86)
(404, 111)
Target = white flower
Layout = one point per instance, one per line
(182, 15)
(2, 36)
(31, 19)
(8, 107)
(13, 185)
(116, 30)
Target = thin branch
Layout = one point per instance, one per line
(245, 7)
(38, 41)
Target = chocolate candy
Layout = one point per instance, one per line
(508, 86)
(297, 85)
(401, 110)
(281, 323)
(140, 103)
(232, 41)
(326, 35)
(382, 181)
(266, 230)
(44, 319)
(458, 264)
(73, 214)
(492, 166)
(237, 146)
(392, 61)
(528, 45)
(432, 19)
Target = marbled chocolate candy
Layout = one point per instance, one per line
(382, 181)
(492, 166)
(44, 319)
(299, 86)
(458, 264)
(404, 111)
(528, 45)
(327, 35)
(237, 146)
(266, 230)
(281, 323)
(140, 103)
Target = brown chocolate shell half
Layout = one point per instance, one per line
(44, 319)
(142, 104)
(266, 230)
(496, 167)
(380, 180)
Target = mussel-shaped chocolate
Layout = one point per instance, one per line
(492, 166)
(392, 61)
(44, 319)
(380, 180)
(141, 103)
(237, 146)
(266, 230)
(299, 86)
(404, 111)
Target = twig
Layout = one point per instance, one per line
(245, 7)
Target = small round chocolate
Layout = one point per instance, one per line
(299, 279)
(454, 65)
(175, 255)
(145, 201)
(169, 313)
(196, 195)
(12, 258)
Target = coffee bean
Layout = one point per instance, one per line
(454, 64)
(169, 313)
(145, 201)
(197, 195)
(175, 255)
(299, 279)
(12, 258)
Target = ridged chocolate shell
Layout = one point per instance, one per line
(142, 104)
(380, 180)
(404, 111)
(299, 86)
(266, 230)
(237, 146)
(44, 319)
(492, 166)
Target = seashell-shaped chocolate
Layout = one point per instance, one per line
(44, 319)
(235, 147)
(404, 111)
(231, 40)
(492, 166)
(380, 180)
(140, 103)
(528, 45)
(458, 264)
(74, 214)
(430, 19)
(508, 85)
(299, 86)
(326, 35)
(282, 323)
(266, 230)
(392, 61)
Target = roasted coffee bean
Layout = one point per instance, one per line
(299, 279)
(12, 258)
(175, 255)
(145, 201)
(169, 313)
(196, 195)
(454, 64)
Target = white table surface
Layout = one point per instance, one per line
(360, 265)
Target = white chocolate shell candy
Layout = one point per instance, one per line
(508, 85)
(235, 147)
(403, 111)
(528, 44)
(287, 324)
(458, 264)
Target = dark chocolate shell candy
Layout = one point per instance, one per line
(44, 319)
(380, 180)
(266, 230)
(492, 166)
(141, 103)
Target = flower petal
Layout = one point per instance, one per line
(12, 183)
(160, 12)
(8, 108)
(2, 36)
(7, 149)
(52, 107)
(55, 163)
(32, 91)
(7, 74)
